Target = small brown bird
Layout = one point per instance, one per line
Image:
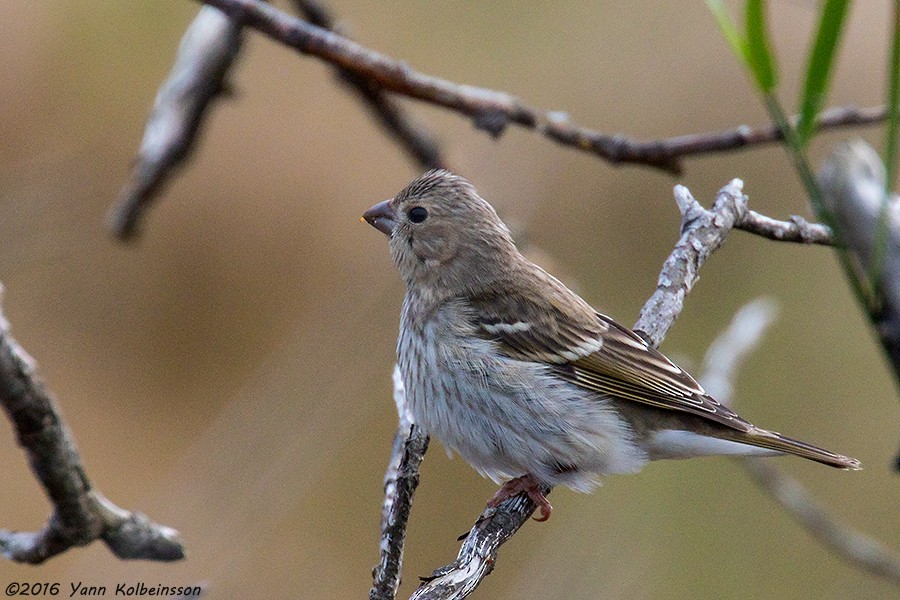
(519, 375)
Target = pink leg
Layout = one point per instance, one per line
(528, 484)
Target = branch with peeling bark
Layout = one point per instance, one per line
(81, 514)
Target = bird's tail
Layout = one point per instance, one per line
(775, 441)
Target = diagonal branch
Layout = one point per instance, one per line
(207, 51)
(81, 513)
(722, 360)
(418, 142)
(493, 110)
(702, 233)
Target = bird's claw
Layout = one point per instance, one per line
(529, 485)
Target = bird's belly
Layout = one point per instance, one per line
(508, 418)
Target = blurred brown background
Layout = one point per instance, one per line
(229, 374)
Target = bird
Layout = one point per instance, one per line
(524, 379)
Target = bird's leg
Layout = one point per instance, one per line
(528, 484)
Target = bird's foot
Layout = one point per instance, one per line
(528, 484)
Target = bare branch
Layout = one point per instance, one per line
(400, 483)
(493, 110)
(478, 554)
(418, 142)
(720, 365)
(857, 548)
(702, 232)
(797, 229)
(208, 49)
(81, 514)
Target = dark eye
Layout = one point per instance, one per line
(417, 214)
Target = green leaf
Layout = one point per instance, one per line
(758, 54)
(819, 68)
(876, 269)
(729, 31)
(890, 152)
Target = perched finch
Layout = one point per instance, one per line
(520, 376)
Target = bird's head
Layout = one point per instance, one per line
(443, 234)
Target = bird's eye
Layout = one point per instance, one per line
(417, 214)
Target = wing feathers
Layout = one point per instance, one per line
(592, 350)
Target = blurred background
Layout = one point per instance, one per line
(229, 373)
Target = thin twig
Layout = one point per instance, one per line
(797, 229)
(493, 110)
(418, 142)
(81, 513)
(720, 365)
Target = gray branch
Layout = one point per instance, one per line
(720, 366)
(400, 483)
(797, 229)
(702, 232)
(207, 51)
(81, 513)
(199, 76)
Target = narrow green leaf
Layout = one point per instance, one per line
(890, 147)
(862, 290)
(876, 269)
(759, 54)
(729, 31)
(818, 72)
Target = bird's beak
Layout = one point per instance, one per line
(382, 217)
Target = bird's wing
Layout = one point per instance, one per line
(592, 351)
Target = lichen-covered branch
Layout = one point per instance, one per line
(81, 513)
(797, 229)
(702, 232)
(478, 554)
(400, 482)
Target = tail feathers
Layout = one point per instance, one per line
(762, 438)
